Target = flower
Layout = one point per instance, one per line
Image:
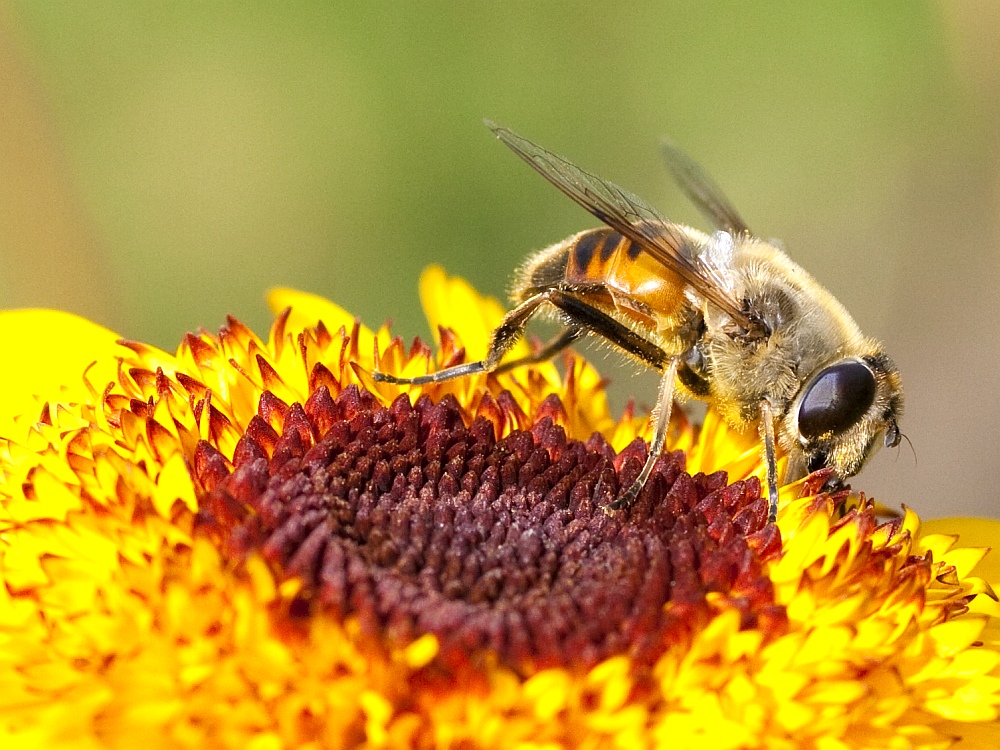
(251, 543)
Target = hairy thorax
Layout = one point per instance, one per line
(807, 328)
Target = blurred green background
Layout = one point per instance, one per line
(164, 164)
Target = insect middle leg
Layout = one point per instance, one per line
(661, 415)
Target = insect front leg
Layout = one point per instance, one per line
(661, 415)
(767, 438)
(502, 339)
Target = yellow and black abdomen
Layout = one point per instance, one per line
(609, 269)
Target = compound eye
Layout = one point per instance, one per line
(836, 399)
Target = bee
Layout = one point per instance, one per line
(725, 317)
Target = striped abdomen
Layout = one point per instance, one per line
(604, 264)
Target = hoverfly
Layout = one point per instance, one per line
(726, 317)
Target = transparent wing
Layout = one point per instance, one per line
(702, 190)
(628, 215)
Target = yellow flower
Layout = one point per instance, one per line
(251, 544)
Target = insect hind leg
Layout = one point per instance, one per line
(547, 352)
(504, 336)
(602, 324)
(598, 322)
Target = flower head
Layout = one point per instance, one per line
(252, 543)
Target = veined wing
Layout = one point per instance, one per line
(627, 214)
(702, 190)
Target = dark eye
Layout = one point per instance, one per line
(836, 399)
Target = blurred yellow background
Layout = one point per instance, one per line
(163, 164)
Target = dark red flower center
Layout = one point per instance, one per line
(417, 519)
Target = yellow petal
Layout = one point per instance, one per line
(46, 353)
(310, 309)
(453, 303)
(973, 532)
(954, 636)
